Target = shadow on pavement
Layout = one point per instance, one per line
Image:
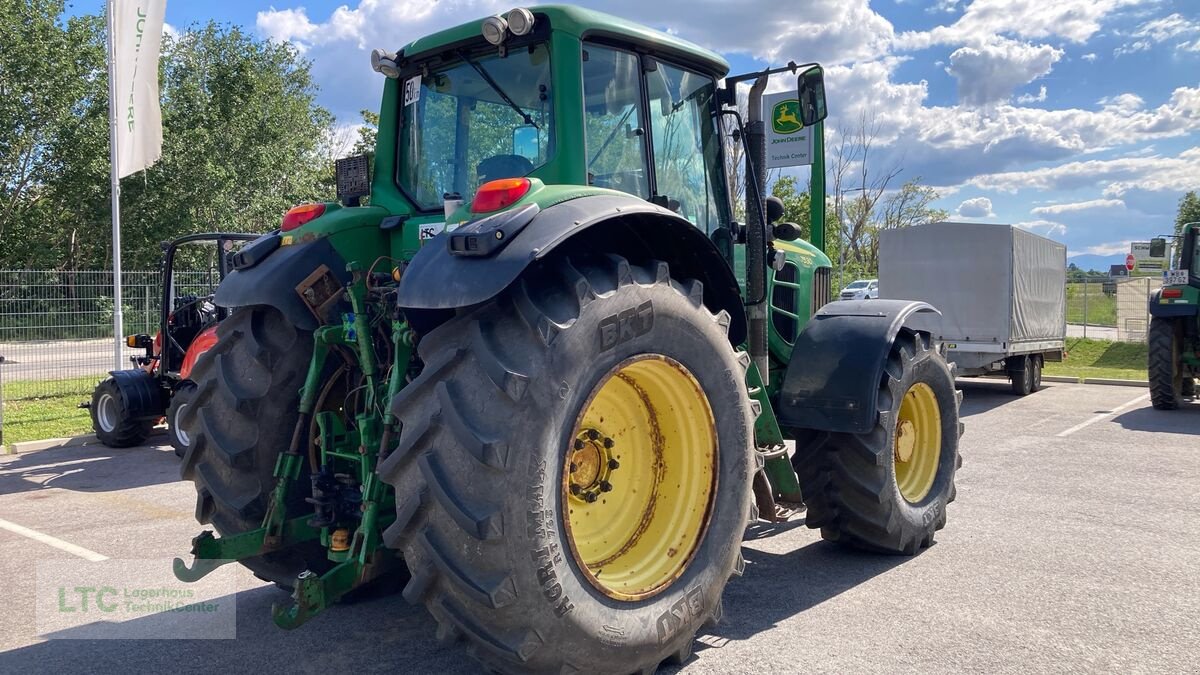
(90, 468)
(983, 394)
(1185, 420)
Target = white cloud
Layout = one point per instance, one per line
(1114, 176)
(990, 72)
(1089, 57)
(948, 6)
(1043, 227)
(1123, 104)
(976, 207)
(1040, 97)
(1073, 20)
(1074, 207)
(1160, 30)
(1109, 248)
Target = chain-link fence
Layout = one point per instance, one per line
(1109, 308)
(56, 327)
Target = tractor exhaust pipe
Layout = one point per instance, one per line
(756, 230)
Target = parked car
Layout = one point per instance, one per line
(863, 289)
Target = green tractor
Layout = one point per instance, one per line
(544, 380)
(1174, 338)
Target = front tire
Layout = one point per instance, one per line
(887, 490)
(1164, 365)
(185, 393)
(497, 432)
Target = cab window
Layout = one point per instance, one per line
(612, 105)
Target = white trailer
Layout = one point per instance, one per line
(1001, 291)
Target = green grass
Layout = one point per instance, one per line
(1101, 358)
(31, 414)
(1101, 308)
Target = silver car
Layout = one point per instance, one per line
(863, 289)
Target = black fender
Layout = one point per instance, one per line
(832, 381)
(272, 280)
(446, 274)
(142, 395)
(1171, 310)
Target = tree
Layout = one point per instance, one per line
(242, 140)
(1189, 211)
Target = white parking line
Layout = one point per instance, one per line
(1102, 416)
(55, 465)
(52, 541)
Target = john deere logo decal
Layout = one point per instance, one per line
(785, 117)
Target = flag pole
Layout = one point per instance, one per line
(118, 318)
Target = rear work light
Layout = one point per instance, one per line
(1172, 293)
(497, 194)
(299, 215)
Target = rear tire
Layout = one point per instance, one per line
(479, 469)
(185, 393)
(850, 481)
(1035, 362)
(1020, 376)
(244, 412)
(111, 420)
(1163, 363)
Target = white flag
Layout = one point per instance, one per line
(137, 36)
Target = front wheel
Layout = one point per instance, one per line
(573, 475)
(887, 489)
(185, 391)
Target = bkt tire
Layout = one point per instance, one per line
(112, 422)
(573, 475)
(887, 490)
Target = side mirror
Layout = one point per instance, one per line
(1158, 248)
(810, 86)
(525, 142)
(774, 209)
(787, 231)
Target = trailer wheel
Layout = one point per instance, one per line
(1020, 375)
(185, 392)
(573, 477)
(886, 490)
(111, 420)
(1035, 362)
(1164, 365)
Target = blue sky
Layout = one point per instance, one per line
(1077, 119)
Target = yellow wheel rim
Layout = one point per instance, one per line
(918, 442)
(639, 476)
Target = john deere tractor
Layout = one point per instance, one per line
(1174, 339)
(544, 379)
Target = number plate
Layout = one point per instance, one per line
(1175, 278)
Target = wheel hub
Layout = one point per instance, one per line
(917, 442)
(591, 465)
(906, 440)
(639, 477)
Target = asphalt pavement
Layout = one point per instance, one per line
(1074, 545)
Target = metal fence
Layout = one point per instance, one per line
(56, 327)
(1105, 308)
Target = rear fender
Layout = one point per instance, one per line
(142, 395)
(1171, 309)
(832, 380)
(273, 280)
(439, 280)
(206, 340)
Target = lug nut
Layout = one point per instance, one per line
(590, 497)
(578, 443)
(608, 443)
(592, 434)
(575, 489)
(605, 486)
(573, 467)
(613, 464)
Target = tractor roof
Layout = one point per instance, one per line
(585, 23)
